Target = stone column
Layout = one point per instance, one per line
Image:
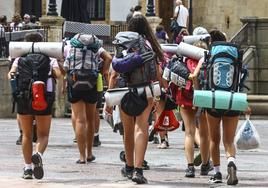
(154, 21)
(54, 24)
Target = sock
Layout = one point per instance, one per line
(27, 166)
(231, 159)
(190, 164)
(96, 134)
(216, 169)
(41, 155)
(139, 170)
(129, 168)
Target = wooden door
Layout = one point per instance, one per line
(165, 9)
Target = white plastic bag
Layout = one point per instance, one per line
(247, 136)
(108, 117)
(116, 115)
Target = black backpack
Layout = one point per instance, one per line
(32, 67)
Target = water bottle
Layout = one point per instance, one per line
(13, 83)
(99, 83)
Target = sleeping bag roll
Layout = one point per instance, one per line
(222, 100)
(51, 49)
(113, 96)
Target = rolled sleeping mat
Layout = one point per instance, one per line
(223, 100)
(184, 49)
(51, 49)
(114, 96)
(191, 39)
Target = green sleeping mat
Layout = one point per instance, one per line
(220, 100)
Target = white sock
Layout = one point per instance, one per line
(27, 166)
(41, 155)
(96, 134)
(216, 169)
(231, 159)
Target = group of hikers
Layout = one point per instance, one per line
(138, 68)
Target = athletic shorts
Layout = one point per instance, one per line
(24, 106)
(99, 100)
(90, 96)
(219, 113)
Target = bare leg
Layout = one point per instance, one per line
(90, 116)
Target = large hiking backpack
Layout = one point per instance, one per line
(32, 75)
(223, 67)
(83, 73)
(184, 96)
(134, 58)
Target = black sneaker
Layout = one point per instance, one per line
(38, 166)
(190, 172)
(156, 140)
(198, 160)
(19, 141)
(139, 178)
(27, 174)
(122, 156)
(231, 178)
(206, 168)
(145, 165)
(216, 178)
(127, 173)
(96, 141)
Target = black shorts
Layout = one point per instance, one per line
(90, 96)
(99, 101)
(24, 106)
(220, 113)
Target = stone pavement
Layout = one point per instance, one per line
(167, 166)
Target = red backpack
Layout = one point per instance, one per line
(184, 96)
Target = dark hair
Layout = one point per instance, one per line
(159, 28)
(3, 19)
(217, 35)
(34, 37)
(33, 18)
(139, 24)
(137, 8)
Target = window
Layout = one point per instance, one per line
(96, 9)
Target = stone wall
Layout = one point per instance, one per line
(225, 15)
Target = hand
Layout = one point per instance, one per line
(108, 109)
(248, 111)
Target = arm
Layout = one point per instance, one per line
(197, 69)
(107, 59)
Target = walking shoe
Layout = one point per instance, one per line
(198, 160)
(27, 174)
(206, 168)
(19, 141)
(163, 145)
(138, 177)
(74, 140)
(190, 172)
(216, 178)
(96, 141)
(122, 156)
(38, 166)
(231, 177)
(127, 172)
(145, 165)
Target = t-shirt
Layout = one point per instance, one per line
(183, 15)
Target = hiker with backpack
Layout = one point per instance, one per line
(138, 73)
(34, 75)
(81, 65)
(221, 70)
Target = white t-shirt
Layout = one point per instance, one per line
(183, 15)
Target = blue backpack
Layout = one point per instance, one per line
(223, 69)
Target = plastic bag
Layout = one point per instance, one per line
(247, 136)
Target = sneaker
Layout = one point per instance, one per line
(38, 166)
(27, 174)
(145, 165)
(190, 172)
(96, 141)
(198, 160)
(206, 168)
(122, 156)
(216, 178)
(127, 173)
(139, 178)
(231, 178)
(163, 145)
(19, 141)
(74, 140)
